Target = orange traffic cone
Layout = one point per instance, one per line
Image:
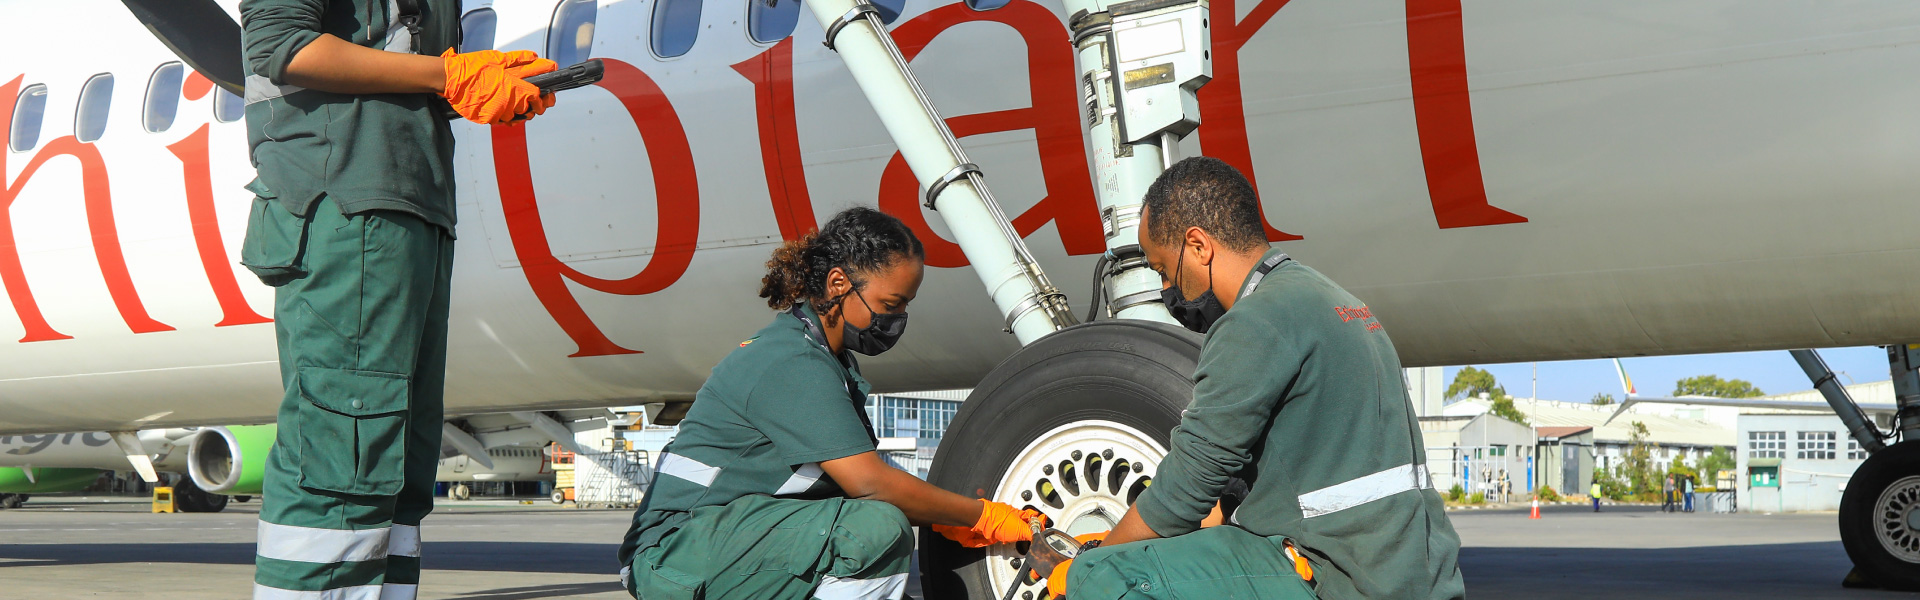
(1536, 508)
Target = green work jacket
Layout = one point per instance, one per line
(367, 152)
(768, 415)
(1299, 393)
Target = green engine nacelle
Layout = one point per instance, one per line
(230, 460)
(14, 480)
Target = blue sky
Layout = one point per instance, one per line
(1773, 372)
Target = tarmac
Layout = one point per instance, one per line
(62, 547)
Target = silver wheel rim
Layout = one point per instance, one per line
(1084, 500)
(1893, 518)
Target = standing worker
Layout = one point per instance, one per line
(1686, 492)
(1666, 494)
(1595, 493)
(1300, 394)
(772, 489)
(353, 225)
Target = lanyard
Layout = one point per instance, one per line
(1259, 273)
(820, 337)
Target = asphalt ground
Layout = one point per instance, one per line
(502, 550)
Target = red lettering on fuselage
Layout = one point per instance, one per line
(98, 201)
(1053, 116)
(772, 75)
(1437, 59)
(676, 191)
(197, 175)
(1223, 115)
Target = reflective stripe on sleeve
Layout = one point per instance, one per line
(398, 591)
(314, 545)
(1342, 496)
(261, 89)
(405, 541)
(358, 592)
(891, 587)
(802, 479)
(688, 469)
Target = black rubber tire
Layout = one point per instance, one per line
(241, 499)
(558, 496)
(188, 497)
(1135, 373)
(1872, 560)
(12, 500)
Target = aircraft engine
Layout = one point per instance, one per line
(230, 460)
(1074, 425)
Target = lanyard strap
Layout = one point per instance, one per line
(1259, 273)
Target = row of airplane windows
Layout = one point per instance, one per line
(676, 24)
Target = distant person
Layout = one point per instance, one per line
(772, 489)
(1666, 495)
(1687, 486)
(1595, 492)
(1298, 392)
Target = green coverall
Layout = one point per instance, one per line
(1300, 394)
(740, 507)
(353, 225)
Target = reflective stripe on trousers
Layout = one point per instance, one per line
(891, 587)
(390, 591)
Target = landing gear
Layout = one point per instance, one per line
(12, 500)
(188, 497)
(1880, 518)
(459, 491)
(242, 499)
(1073, 425)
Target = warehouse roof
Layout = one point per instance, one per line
(1661, 429)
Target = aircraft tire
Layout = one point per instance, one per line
(188, 497)
(12, 500)
(459, 491)
(242, 499)
(1131, 378)
(1880, 517)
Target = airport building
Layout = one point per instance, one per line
(1794, 461)
(1550, 453)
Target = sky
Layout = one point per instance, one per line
(1774, 372)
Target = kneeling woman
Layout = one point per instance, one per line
(772, 488)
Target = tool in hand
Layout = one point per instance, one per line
(582, 74)
(1050, 548)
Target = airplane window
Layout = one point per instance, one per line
(571, 38)
(90, 120)
(227, 107)
(163, 96)
(28, 112)
(987, 4)
(675, 25)
(476, 29)
(768, 24)
(889, 9)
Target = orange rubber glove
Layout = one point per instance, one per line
(999, 523)
(489, 87)
(1057, 582)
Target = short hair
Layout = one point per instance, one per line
(1208, 193)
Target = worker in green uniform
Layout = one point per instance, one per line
(353, 225)
(772, 488)
(1299, 395)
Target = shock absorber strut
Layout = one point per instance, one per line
(1141, 63)
(955, 186)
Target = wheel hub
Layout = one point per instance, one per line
(1897, 519)
(1083, 476)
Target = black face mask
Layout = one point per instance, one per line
(879, 336)
(1198, 314)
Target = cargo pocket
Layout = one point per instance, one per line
(653, 581)
(353, 430)
(276, 239)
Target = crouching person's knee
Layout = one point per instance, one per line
(871, 539)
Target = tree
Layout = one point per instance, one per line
(1715, 387)
(1636, 468)
(1601, 399)
(1719, 460)
(1472, 382)
(1503, 407)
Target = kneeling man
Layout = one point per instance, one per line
(1298, 395)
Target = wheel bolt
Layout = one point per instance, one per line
(1026, 495)
(1076, 455)
(1013, 561)
(1047, 469)
(1107, 454)
(1028, 595)
(1137, 467)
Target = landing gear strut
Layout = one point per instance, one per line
(1880, 511)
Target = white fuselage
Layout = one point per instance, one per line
(1628, 178)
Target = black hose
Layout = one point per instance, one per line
(1099, 291)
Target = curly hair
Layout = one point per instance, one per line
(1205, 192)
(858, 241)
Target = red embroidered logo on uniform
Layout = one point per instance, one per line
(1361, 312)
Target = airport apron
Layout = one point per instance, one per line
(361, 316)
(740, 507)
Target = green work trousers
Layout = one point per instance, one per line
(360, 310)
(1215, 563)
(774, 548)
